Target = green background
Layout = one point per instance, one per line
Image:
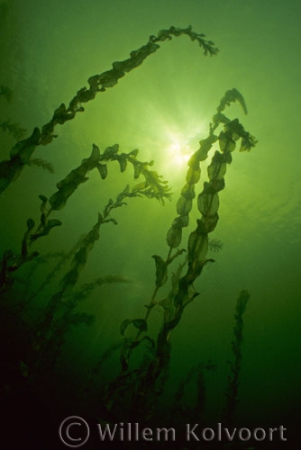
(48, 51)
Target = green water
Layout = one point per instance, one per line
(163, 108)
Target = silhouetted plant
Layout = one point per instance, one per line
(150, 378)
(181, 409)
(21, 153)
(235, 365)
(134, 392)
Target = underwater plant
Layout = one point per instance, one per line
(148, 381)
(21, 153)
(235, 366)
(135, 390)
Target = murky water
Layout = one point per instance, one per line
(163, 108)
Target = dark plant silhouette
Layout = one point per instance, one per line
(235, 365)
(133, 393)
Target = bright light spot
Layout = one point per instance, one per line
(178, 152)
(179, 144)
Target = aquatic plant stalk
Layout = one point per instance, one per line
(148, 381)
(134, 392)
(152, 187)
(21, 153)
(235, 365)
